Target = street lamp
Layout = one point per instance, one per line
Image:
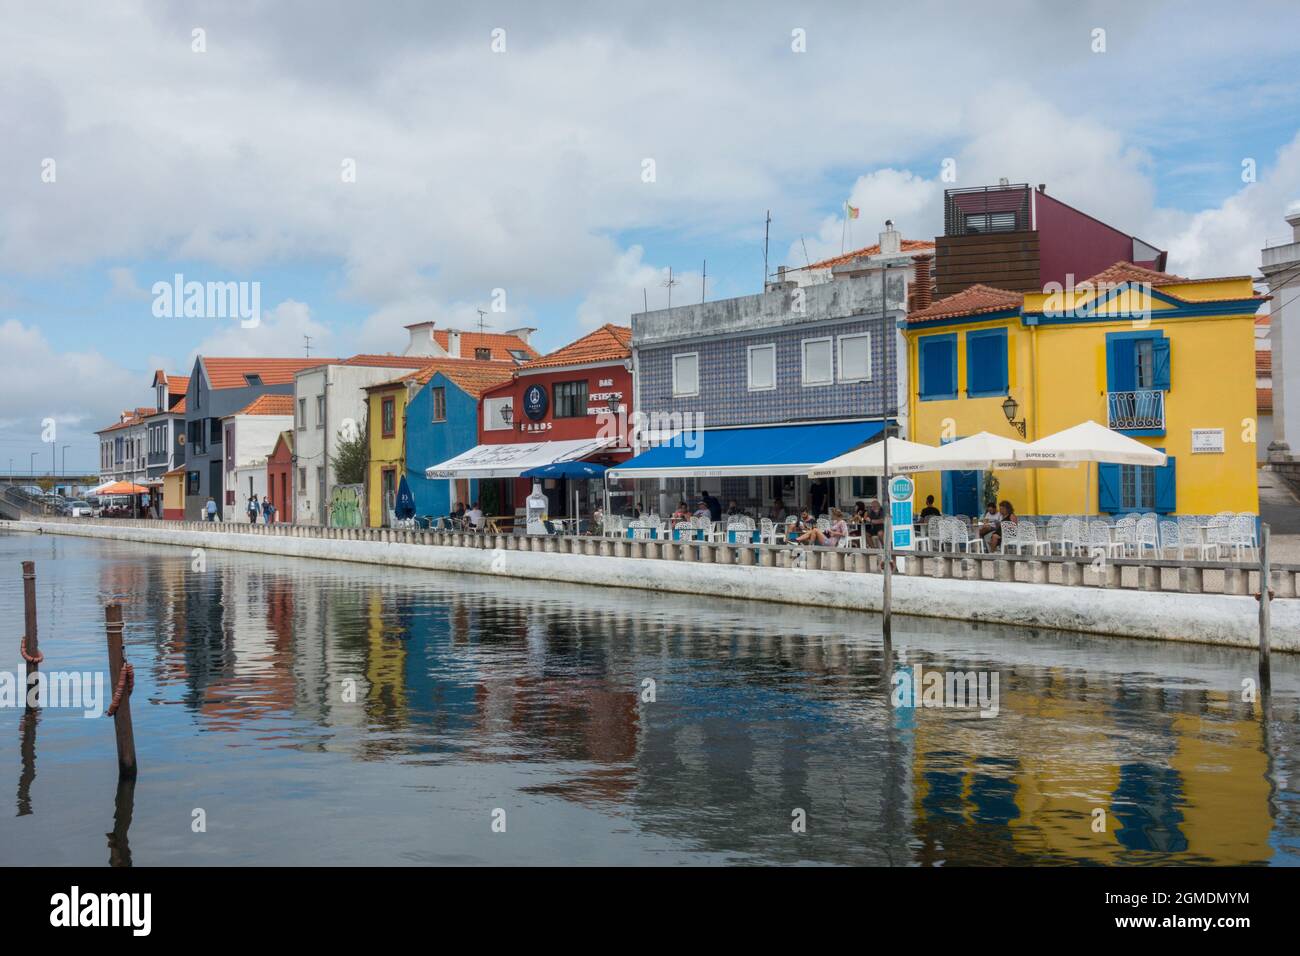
(507, 414)
(612, 404)
(33, 465)
(1009, 409)
(64, 469)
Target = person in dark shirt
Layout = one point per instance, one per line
(930, 511)
(714, 506)
(817, 492)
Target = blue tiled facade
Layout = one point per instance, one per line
(722, 332)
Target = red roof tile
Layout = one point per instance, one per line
(230, 372)
(476, 381)
(609, 343)
(1263, 362)
(907, 245)
(268, 405)
(975, 300)
(499, 344)
(388, 361)
(1127, 272)
(433, 365)
(1264, 400)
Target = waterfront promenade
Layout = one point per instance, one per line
(1125, 598)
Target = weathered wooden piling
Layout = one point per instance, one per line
(31, 646)
(122, 678)
(1265, 623)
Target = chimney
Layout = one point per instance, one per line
(453, 343)
(422, 341)
(921, 280)
(1294, 221)
(891, 242)
(1042, 188)
(522, 333)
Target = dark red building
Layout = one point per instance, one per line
(581, 391)
(279, 477)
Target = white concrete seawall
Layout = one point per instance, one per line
(1225, 620)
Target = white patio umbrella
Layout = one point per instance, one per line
(979, 452)
(905, 457)
(1085, 443)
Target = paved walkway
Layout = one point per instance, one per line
(1278, 505)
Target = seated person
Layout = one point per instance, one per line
(930, 511)
(703, 511)
(475, 516)
(682, 513)
(988, 526)
(839, 529)
(800, 525)
(778, 512)
(1006, 515)
(873, 524)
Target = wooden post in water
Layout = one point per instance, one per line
(122, 718)
(1265, 622)
(30, 644)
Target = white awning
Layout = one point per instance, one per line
(509, 461)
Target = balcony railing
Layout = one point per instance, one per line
(1142, 409)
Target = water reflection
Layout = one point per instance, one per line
(401, 706)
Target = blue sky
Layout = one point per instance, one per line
(522, 168)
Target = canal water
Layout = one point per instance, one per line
(304, 712)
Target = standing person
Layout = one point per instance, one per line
(210, 509)
(817, 492)
(268, 510)
(252, 508)
(714, 506)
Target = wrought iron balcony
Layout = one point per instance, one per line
(1141, 409)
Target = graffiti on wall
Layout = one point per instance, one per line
(345, 506)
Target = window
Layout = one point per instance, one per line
(302, 414)
(252, 379)
(302, 480)
(320, 411)
(493, 420)
(570, 399)
(214, 427)
(388, 417)
(986, 363)
(191, 483)
(817, 362)
(990, 222)
(686, 374)
(1137, 360)
(198, 433)
(519, 355)
(762, 368)
(1124, 488)
(855, 357)
(483, 355)
(936, 357)
(438, 402)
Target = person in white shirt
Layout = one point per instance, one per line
(475, 515)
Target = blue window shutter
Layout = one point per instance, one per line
(1121, 368)
(1160, 362)
(986, 362)
(1166, 488)
(938, 363)
(1108, 488)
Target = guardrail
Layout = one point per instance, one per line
(1147, 573)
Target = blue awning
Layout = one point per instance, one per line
(566, 469)
(760, 450)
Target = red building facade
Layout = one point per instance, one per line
(280, 477)
(581, 391)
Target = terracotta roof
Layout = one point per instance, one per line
(609, 343)
(175, 471)
(476, 381)
(500, 344)
(130, 416)
(1264, 400)
(179, 407)
(230, 372)
(433, 365)
(1263, 361)
(268, 405)
(907, 245)
(972, 301)
(390, 361)
(1127, 272)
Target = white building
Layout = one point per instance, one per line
(249, 437)
(1280, 265)
(123, 447)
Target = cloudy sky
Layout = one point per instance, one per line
(569, 154)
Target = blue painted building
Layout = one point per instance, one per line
(797, 355)
(441, 422)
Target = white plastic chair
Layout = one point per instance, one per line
(1241, 536)
(1100, 541)
(1023, 534)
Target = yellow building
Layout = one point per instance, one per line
(1166, 360)
(386, 441)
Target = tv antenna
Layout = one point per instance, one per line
(669, 283)
(481, 324)
(306, 344)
